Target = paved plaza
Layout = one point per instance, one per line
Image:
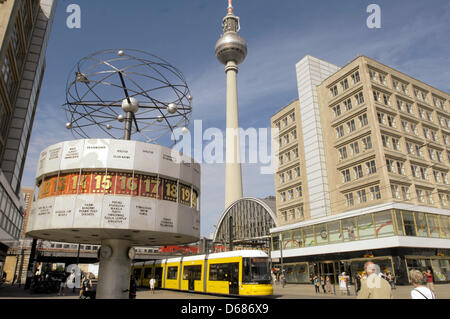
(288, 292)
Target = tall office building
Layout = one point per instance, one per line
(366, 176)
(24, 32)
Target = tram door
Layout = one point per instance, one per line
(158, 276)
(234, 278)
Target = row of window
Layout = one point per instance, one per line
(351, 126)
(370, 168)
(344, 84)
(285, 121)
(402, 87)
(354, 148)
(362, 195)
(287, 138)
(288, 156)
(11, 218)
(288, 195)
(369, 226)
(289, 175)
(393, 143)
(292, 214)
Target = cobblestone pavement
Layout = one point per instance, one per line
(288, 292)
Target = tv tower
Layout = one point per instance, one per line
(231, 50)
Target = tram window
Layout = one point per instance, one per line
(172, 272)
(147, 273)
(192, 272)
(255, 270)
(221, 272)
(137, 273)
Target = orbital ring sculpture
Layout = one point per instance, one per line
(110, 87)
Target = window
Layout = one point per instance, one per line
(339, 131)
(381, 118)
(292, 116)
(405, 193)
(358, 171)
(362, 198)
(367, 143)
(433, 226)
(351, 126)
(333, 91)
(308, 236)
(300, 212)
(172, 273)
(359, 98)
(349, 199)
(375, 192)
(349, 229)
(283, 196)
(443, 199)
(363, 120)
(321, 234)
(386, 141)
(347, 105)
(405, 126)
(383, 224)
(415, 171)
(342, 153)
(396, 144)
(400, 168)
(408, 222)
(344, 84)
(390, 165)
(299, 191)
(354, 148)
(366, 227)
(355, 77)
(297, 171)
(422, 225)
(295, 152)
(391, 121)
(222, 272)
(337, 110)
(334, 232)
(294, 134)
(290, 194)
(373, 75)
(371, 167)
(345, 176)
(409, 108)
(395, 191)
(420, 195)
(376, 96)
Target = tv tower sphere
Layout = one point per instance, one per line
(230, 46)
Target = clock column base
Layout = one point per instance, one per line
(114, 272)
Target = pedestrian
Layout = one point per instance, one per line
(316, 283)
(62, 286)
(328, 285)
(419, 291)
(322, 283)
(133, 288)
(86, 284)
(430, 281)
(343, 283)
(374, 287)
(390, 280)
(358, 282)
(152, 285)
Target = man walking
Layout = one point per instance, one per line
(374, 287)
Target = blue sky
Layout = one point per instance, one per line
(413, 39)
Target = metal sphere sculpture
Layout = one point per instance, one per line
(126, 92)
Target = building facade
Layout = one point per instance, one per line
(383, 150)
(24, 31)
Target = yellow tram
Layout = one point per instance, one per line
(243, 272)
